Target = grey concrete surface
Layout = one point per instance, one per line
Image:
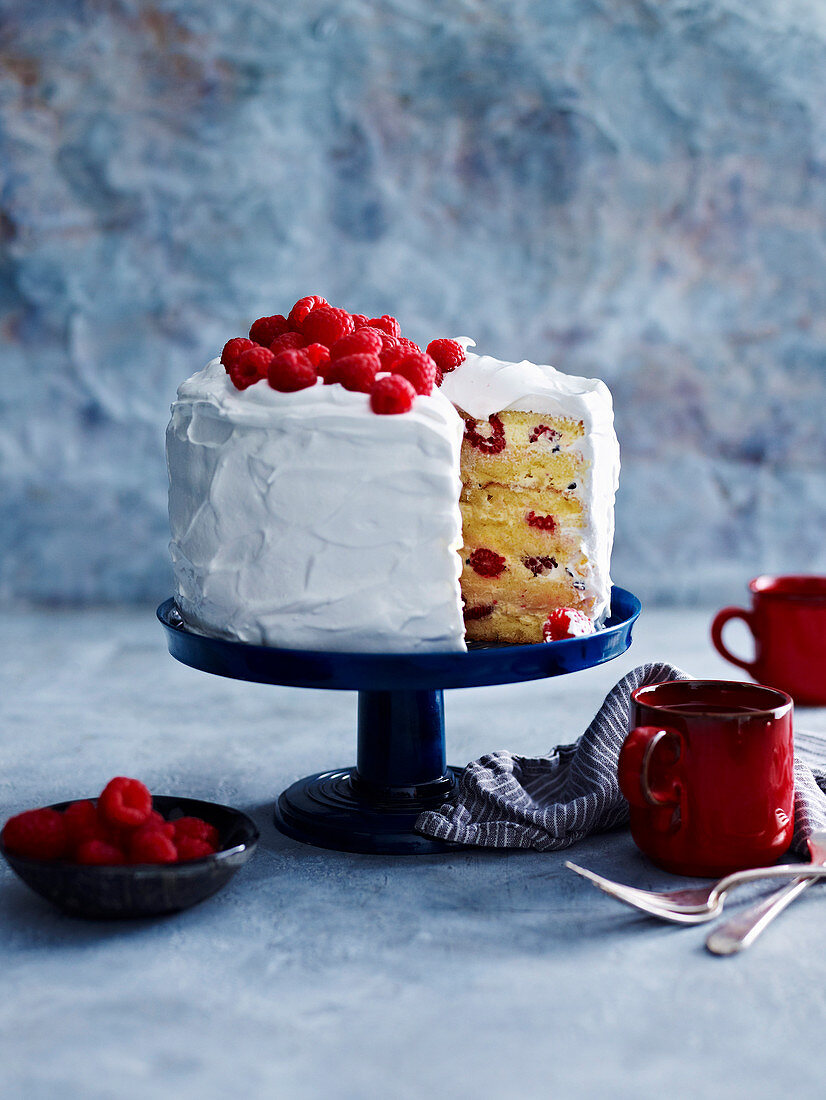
(320, 974)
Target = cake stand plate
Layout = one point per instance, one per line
(401, 767)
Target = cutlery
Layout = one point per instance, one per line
(741, 931)
(696, 905)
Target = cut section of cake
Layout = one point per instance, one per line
(539, 469)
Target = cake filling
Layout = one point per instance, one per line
(522, 518)
(539, 466)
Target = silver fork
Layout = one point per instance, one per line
(696, 905)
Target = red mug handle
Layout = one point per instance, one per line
(634, 767)
(720, 620)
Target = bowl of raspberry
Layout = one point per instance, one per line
(128, 853)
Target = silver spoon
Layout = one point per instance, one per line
(741, 931)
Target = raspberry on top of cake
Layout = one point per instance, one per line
(318, 342)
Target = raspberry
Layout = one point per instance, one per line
(386, 339)
(303, 308)
(291, 371)
(233, 349)
(327, 371)
(99, 853)
(159, 822)
(125, 801)
(366, 341)
(487, 444)
(317, 354)
(417, 368)
(487, 563)
(390, 352)
(543, 429)
(117, 835)
(447, 354)
(81, 820)
(481, 611)
(359, 320)
(250, 367)
(191, 847)
(326, 325)
(355, 372)
(566, 622)
(392, 394)
(265, 329)
(36, 834)
(151, 846)
(394, 348)
(387, 324)
(288, 341)
(195, 828)
(544, 523)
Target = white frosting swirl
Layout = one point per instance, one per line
(305, 520)
(483, 385)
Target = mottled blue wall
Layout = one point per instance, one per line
(626, 188)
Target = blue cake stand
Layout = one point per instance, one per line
(400, 766)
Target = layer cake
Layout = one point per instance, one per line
(302, 518)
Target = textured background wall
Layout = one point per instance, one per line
(624, 188)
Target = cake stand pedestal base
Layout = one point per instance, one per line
(327, 811)
(401, 771)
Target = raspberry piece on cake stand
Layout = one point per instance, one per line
(401, 766)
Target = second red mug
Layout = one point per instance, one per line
(788, 621)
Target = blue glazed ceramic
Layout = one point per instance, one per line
(145, 890)
(480, 666)
(401, 766)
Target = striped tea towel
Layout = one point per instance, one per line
(550, 802)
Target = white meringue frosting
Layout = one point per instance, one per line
(304, 520)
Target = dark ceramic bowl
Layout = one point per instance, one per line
(144, 890)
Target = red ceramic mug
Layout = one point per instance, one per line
(788, 621)
(707, 770)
